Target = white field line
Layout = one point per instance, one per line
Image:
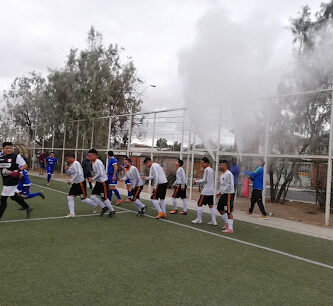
(223, 237)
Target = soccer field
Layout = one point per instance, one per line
(129, 260)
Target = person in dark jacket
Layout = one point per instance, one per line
(258, 184)
(87, 168)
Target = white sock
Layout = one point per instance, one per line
(230, 223)
(163, 205)
(139, 204)
(97, 201)
(200, 213)
(184, 205)
(156, 205)
(212, 212)
(89, 202)
(71, 205)
(174, 203)
(108, 204)
(225, 218)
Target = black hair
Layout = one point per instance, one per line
(51, 152)
(234, 159)
(180, 162)
(146, 160)
(70, 155)
(205, 160)
(128, 159)
(223, 161)
(110, 153)
(7, 143)
(93, 151)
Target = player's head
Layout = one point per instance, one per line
(223, 165)
(127, 162)
(110, 154)
(52, 154)
(234, 160)
(92, 154)
(179, 163)
(260, 162)
(7, 148)
(148, 162)
(204, 162)
(70, 158)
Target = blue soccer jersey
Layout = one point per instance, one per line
(24, 184)
(50, 164)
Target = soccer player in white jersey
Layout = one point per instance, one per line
(78, 185)
(207, 193)
(226, 194)
(133, 175)
(180, 189)
(160, 184)
(102, 182)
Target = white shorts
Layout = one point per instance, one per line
(9, 191)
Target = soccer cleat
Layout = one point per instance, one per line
(95, 211)
(183, 213)
(196, 221)
(29, 210)
(69, 216)
(22, 208)
(47, 184)
(212, 223)
(263, 217)
(164, 216)
(111, 214)
(103, 211)
(228, 231)
(128, 201)
(174, 211)
(41, 194)
(160, 215)
(248, 213)
(118, 202)
(225, 226)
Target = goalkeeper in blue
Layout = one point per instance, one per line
(50, 163)
(24, 187)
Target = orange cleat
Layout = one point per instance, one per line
(164, 216)
(118, 202)
(225, 226)
(183, 213)
(160, 215)
(128, 201)
(174, 211)
(228, 231)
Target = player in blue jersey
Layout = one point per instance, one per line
(113, 177)
(127, 183)
(50, 163)
(24, 188)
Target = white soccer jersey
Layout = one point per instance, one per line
(207, 181)
(133, 175)
(99, 171)
(227, 182)
(157, 175)
(180, 178)
(76, 172)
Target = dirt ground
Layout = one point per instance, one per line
(296, 211)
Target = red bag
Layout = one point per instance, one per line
(246, 187)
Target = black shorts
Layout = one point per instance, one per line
(206, 200)
(160, 192)
(86, 175)
(135, 192)
(79, 189)
(226, 203)
(42, 165)
(101, 189)
(179, 192)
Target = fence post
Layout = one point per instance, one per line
(77, 138)
(53, 135)
(129, 138)
(108, 145)
(192, 168)
(182, 140)
(217, 155)
(188, 155)
(92, 135)
(152, 147)
(63, 151)
(266, 149)
(329, 170)
(34, 149)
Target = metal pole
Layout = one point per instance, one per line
(192, 168)
(188, 155)
(83, 143)
(182, 140)
(34, 149)
(129, 138)
(43, 141)
(92, 134)
(63, 151)
(217, 156)
(53, 134)
(329, 170)
(152, 147)
(268, 102)
(108, 145)
(77, 138)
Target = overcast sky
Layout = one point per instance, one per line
(35, 34)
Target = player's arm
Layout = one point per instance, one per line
(182, 179)
(21, 162)
(203, 180)
(115, 170)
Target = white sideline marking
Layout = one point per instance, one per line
(222, 236)
(54, 218)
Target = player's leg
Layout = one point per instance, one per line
(21, 202)
(112, 188)
(221, 209)
(136, 199)
(183, 197)
(96, 190)
(253, 201)
(212, 211)
(48, 178)
(129, 191)
(161, 195)
(70, 201)
(82, 193)
(261, 204)
(25, 193)
(230, 206)
(154, 200)
(104, 195)
(174, 200)
(3, 205)
(198, 220)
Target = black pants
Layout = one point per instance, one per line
(16, 198)
(256, 197)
